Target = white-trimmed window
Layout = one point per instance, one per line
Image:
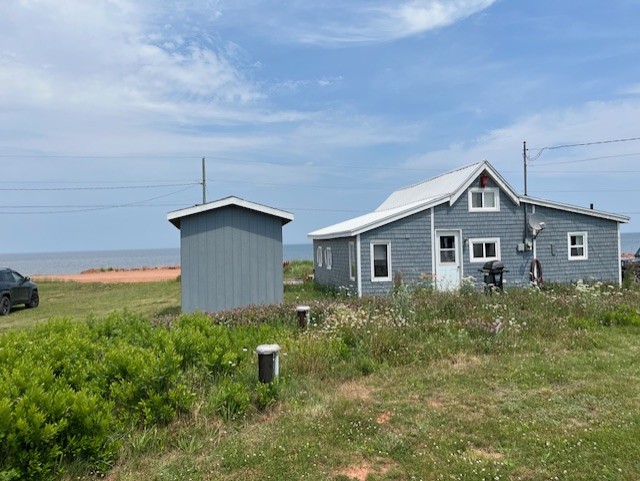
(328, 258)
(319, 256)
(353, 265)
(380, 261)
(484, 250)
(484, 200)
(577, 246)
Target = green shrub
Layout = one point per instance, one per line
(267, 394)
(622, 315)
(70, 390)
(298, 270)
(231, 399)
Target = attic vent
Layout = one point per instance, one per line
(484, 179)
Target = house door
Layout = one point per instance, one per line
(448, 260)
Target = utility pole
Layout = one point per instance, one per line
(524, 158)
(524, 206)
(204, 183)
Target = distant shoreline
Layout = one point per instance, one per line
(72, 263)
(141, 274)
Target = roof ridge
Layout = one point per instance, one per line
(414, 203)
(440, 175)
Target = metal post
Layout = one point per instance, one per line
(524, 158)
(524, 206)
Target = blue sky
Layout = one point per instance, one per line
(320, 108)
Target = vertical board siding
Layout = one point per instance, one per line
(231, 257)
(338, 275)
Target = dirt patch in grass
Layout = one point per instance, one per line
(383, 418)
(356, 390)
(486, 453)
(362, 470)
(464, 361)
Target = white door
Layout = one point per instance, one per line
(448, 262)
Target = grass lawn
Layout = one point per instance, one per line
(526, 385)
(564, 407)
(78, 301)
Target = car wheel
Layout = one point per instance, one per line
(5, 306)
(35, 300)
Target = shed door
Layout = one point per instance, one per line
(448, 260)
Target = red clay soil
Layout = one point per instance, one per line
(125, 275)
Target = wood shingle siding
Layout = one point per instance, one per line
(411, 219)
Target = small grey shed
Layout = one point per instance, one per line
(230, 254)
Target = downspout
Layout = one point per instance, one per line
(535, 245)
(433, 247)
(359, 265)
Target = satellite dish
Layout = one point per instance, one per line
(537, 223)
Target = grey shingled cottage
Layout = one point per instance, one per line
(442, 232)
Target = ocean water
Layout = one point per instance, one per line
(630, 242)
(76, 262)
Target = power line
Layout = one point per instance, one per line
(587, 159)
(51, 189)
(599, 142)
(584, 172)
(80, 156)
(93, 209)
(172, 181)
(588, 190)
(296, 185)
(582, 144)
(301, 164)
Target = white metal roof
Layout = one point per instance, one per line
(452, 184)
(372, 220)
(574, 208)
(175, 216)
(447, 187)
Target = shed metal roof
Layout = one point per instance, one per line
(175, 216)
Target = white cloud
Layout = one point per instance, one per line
(583, 175)
(338, 23)
(102, 56)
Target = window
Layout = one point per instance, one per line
(17, 277)
(484, 200)
(577, 245)
(380, 261)
(328, 258)
(353, 265)
(447, 249)
(319, 256)
(483, 250)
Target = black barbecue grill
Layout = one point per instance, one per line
(493, 274)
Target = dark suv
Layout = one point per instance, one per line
(16, 289)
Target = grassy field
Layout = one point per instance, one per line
(78, 301)
(526, 385)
